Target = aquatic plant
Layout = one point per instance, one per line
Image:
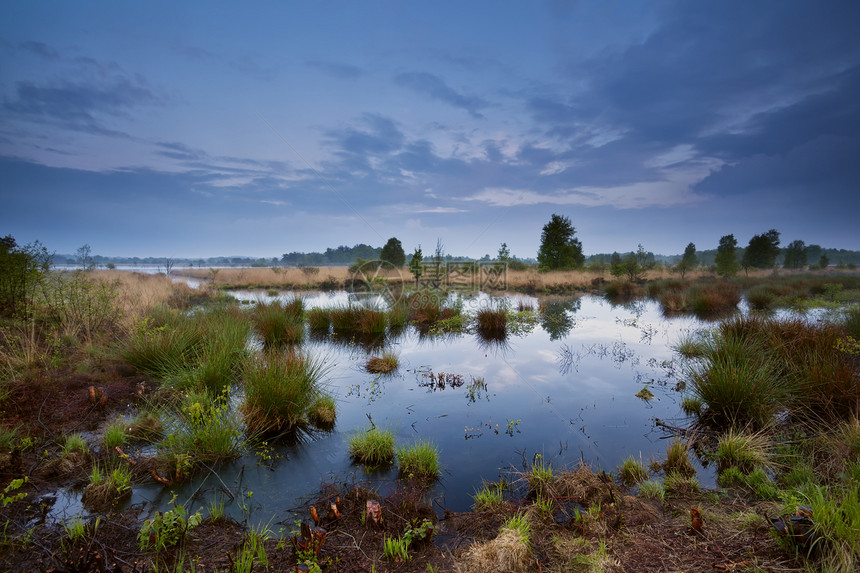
(488, 497)
(420, 461)
(385, 364)
(678, 459)
(280, 387)
(742, 450)
(322, 412)
(319, 321)
(491, 324)
(632, 472)
(372, 446)
(279, 324)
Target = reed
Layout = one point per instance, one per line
(713, 299)
(742, 450)
(355, 320)
(319, 321)
(280, 387)
(323, 412)
(631, 472)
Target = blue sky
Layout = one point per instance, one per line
(217, 128)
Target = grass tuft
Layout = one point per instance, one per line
(372, 446)
(420, 461)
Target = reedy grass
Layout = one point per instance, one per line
(356, 320)
(114, 434)
(420, 461)
(692, 405)
(75, 443)
(372, 446)
(279, 389)
(539, 476)
(836, 512)
(107, 486)
(323, 412)
(631, 472)
(385, 364)
(491, 324)
(489, 497)
(319, 321)
(678, 459)
(279, 324)
(652, 490)
(202, 431)
(742, 450)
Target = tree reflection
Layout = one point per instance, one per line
(556, 316)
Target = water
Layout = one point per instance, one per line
(563, 388)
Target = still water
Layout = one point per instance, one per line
(564, 387)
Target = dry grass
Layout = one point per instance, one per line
(273, 277)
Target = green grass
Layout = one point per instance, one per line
(280, 388)
(632, 472)
(540, 475)
(678, 460)
(279, 324)
(114, 434)
(75, 443)
(676, 483)
(742, 450)
(489, 497)
(652, 490)
(107, 486)
(395, 548)
(692, 347)
(836, 512)
(319, 321)
(692, 405)
(372, 446)
(420, 461)
(322, 412)
(76, 530)
(355, 320)
(203, 431)
(520, 527)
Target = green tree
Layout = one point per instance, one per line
(824, 261)
(762, 251)
(416, 264)
(84, 257)
(726, 260)
(21, 270)
(689, 261)
(795, 255)
(504, 254)
(559, 248)
(393, 253)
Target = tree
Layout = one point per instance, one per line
(762, 251)
(824, 261)
(559, 248)
(416, 266)
(795, 255)
(84, 257)
(688, 261)
(21, 271)
(727, 256)
(393, 253)
(504, 254)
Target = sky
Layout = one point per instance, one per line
(197, 129)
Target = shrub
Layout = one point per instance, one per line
(372, 446)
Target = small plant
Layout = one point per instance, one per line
(678, 460)
(645, 394)
(75, 443)
(114, 434)
(385, 364)
(8, 496)
(323, 412)
(420, 460)
(491, 325)
(107, 486)
(216, 509)
(167, 529)
(520, 527)
(741, 450)
(680, 484)
(418, 532)
(632, 472)
(488, 497)
(539, 475)
(692, 405)
(372, 446)
(396, 548)
(652, 490)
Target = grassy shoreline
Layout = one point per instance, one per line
(133, 342)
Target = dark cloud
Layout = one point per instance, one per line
(41, 49)
(434, 87)
(337, 70)
(381, 136)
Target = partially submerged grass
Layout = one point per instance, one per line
(489, 497)
(742, 450)
(108, 485)
(632, 472)
(372, 446)
(491, 324)
(420, 461)
(114, 434)
(280, 387)
(678, 460)
(279, 324)
(385, 364)
(323, 412)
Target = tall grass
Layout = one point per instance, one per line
(319, 321)
(420, 461)
(713, 299)
(491, 324)
(278, 323)
(354, 320)
(280, 387)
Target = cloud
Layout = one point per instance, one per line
(41, 49)
(435, 88)
(337, 70)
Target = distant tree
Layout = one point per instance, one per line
(504, 254)
(762, 251)
(393, 253)
(84, 257)
(824, 261)
(559, 248)
(416, 264)
(689, 261)
(615, 259)
(629, 266)
(795, 255)
(726, 260)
